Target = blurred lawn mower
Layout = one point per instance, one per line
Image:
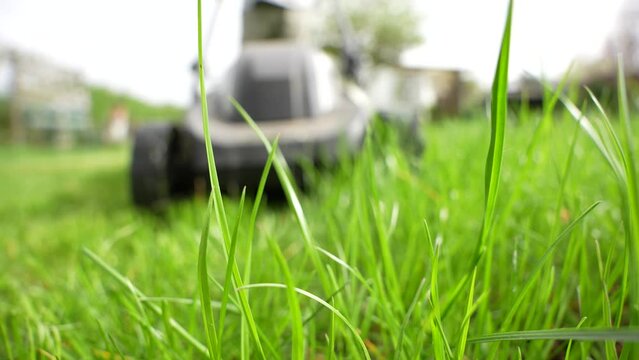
(291, 89)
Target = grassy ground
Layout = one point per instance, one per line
(398, 289)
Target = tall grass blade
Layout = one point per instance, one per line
(260, 193)
(617, 149)
(331, 336)
(5, 339)
(390, 274)
(611, 352)
(400, 341)
(594, 135)
(632, 201)
(632, 193)
(203, 283)
(244, 342)
(499, 112)
(152, 334)
(166, 322)
(629, 335)
(440, 340)
(109, 341)
(218, 203)
(461, 344)
(569, 347)
(358, 275)
(297, 330)
(229, 271)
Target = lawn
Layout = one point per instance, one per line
(506, 238)
(369, 213)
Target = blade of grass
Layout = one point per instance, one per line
(5, 338)
(498, 115)
(562, 184)
(632, 201)
(331, 298)
(541, 130)
(624, 285)
(569, 347)
(331, 335)
(631, 192)
(152, 334)
(297, 330)
(618, 152)
(320, 301)
(260, 194)
(594, 135)
(461, 344)
(629, 334)
(205, 294)
(31, 341)
(250, 238)
(352, 270)
(611, 352)
(109, 341)
(399, 346)
(218, 203)
(390, 273)
(499, 109)
(229, 271)
(440, 340)
(187, 301)
(168, 330)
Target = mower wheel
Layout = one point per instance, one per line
(149, 166)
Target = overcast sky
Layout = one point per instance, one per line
(145, 47)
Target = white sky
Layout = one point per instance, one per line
(547, 35)
(146, 47)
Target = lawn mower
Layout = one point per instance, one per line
(292, 90)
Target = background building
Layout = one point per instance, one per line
(42, 102)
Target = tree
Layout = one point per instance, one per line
(382, 29)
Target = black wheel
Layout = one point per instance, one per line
(150, 185)
(181, 176)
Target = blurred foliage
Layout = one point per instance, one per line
(605, 90)
(104, 100)
(4, 118)
(382, 28)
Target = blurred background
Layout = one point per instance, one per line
(76, 71)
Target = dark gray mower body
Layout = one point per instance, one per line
(291, 90)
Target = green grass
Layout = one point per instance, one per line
(55, 299)
(390, 255)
